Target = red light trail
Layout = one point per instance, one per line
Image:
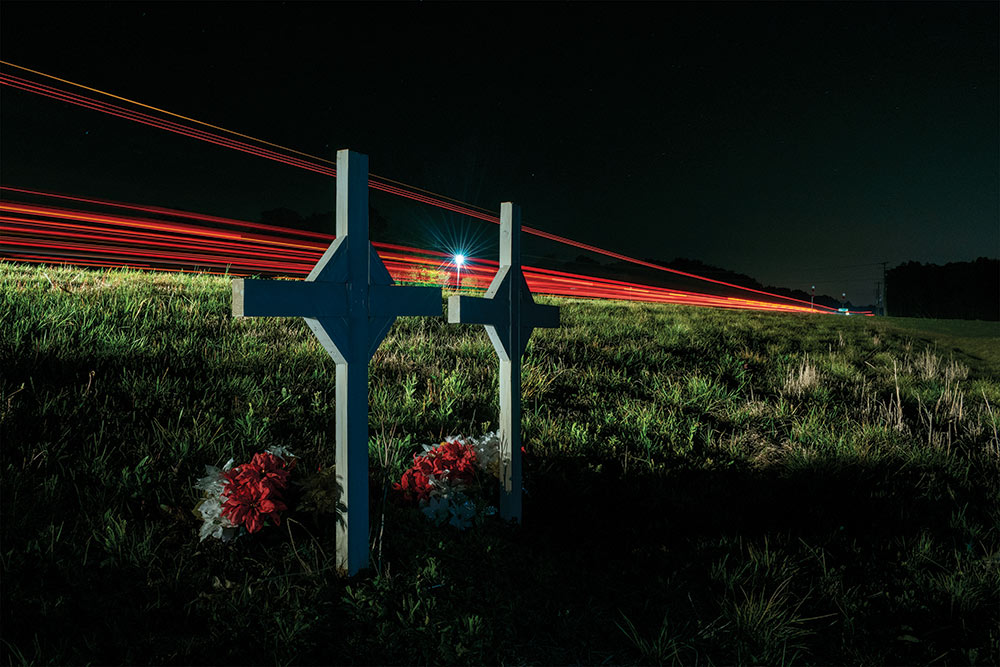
(177, 214)
(377, 183)
(56, 234)
(186, 237)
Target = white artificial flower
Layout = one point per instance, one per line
(281, 452)
(210, 508)
(457, 510)
(487, 450)
(214, 523)
(442, 487)
(436, 510)
(462, 514)
(212, 483)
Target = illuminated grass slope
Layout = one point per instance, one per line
(702, 486)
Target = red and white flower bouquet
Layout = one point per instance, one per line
(449, 481)
(246, 497)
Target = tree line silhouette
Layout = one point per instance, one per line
(957, 290)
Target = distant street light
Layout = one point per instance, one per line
(459, 261)
(812, 299)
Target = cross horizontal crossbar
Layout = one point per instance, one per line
(288, 298)
(472, 310)
(501, 321)
(403, 300)
(539, 315)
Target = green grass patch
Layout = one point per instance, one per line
(702, 486)
(974, 339)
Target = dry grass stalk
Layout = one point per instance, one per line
(802, 380)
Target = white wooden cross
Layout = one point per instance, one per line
(349, 301)
(509, 314)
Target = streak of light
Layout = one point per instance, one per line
(222, 129)
(385, 185)
(54, 234)
(147, 223)
(173, 213)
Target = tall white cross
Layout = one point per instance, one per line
(510, 314)
(349, 301)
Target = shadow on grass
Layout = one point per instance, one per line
(819, 564)
(812, 565)
(876, 500)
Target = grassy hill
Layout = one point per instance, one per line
(976, 340)
(702, 486)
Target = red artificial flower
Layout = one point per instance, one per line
(271, 469)
(248, 507)
(252, 492)
(414, 485)
(451, 461)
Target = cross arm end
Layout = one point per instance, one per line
(545, 317)
(474, 310)
(238, 293)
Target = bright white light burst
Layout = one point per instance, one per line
(459, 260)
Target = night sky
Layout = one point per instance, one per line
(796, 143)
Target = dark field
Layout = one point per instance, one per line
(702, 487)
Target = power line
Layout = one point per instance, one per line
(233, 132)
(834, 268)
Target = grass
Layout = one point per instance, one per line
(974, 339)
(702, 487)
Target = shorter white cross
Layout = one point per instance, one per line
(510, 314)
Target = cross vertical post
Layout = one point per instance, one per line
(509, 314)
(350, 302)
(351, 394)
